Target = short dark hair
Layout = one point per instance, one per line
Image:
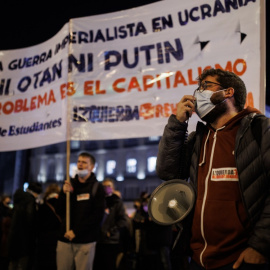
(86, 154)
(35, 187)
(107, 179)
(52, 188)
(228, 79)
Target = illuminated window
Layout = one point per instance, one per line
(110, 166)
(74, 144)
(120, 178)
(151, 164)
(154, 138)
(72, 169)
(131, 165)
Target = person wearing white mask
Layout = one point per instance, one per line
(226, 160)
(76, 246)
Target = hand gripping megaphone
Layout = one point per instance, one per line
(171, 202)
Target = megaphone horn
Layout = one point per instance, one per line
(171, 202)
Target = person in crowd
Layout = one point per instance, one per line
(48, 229)
(124, 257)
(136, 206)
(76, 244)
(125, 242)
(114, 222)
(5, 222)
(132, 245)
(22, 239)
(177, 262)
(226, 160)
(137, 219)
(118, 193)
(155, 241)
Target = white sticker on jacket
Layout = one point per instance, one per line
(224, 174)
(82, 197)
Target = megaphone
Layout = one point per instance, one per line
(171, 202)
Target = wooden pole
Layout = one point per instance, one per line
(68, 193)
(69, 119)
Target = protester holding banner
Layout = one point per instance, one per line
(226, 160)
(76, 246)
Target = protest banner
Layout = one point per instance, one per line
(120, 75)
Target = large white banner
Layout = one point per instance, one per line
(33, 110)
(121, 75)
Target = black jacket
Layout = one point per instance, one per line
(114, 220)
(86, 210)
(48, 231)
(178, 158)
(23, 230)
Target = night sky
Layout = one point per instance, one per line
(26, 24)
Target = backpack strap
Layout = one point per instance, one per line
(94, 188)
(256, 127)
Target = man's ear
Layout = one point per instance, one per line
(229, 92)
(92, 167)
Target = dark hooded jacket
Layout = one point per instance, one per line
(86, 210)
(23, 230)
(114, 221)
(178, 158)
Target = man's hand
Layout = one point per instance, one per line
(67, 187)
(185, 107)
(69, 235)
(250, 255)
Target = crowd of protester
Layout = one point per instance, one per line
(30, 229)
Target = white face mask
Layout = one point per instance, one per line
(203, 103)
(82, 173)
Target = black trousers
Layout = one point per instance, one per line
(105, 256)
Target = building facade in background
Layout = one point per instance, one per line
(131, 162)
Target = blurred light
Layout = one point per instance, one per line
(110, 166)
(120, 178)
(59, 177)
(151, 164)
(75, 144)
(131, 165)
(100, 176)
(141, 175)
(72, 169)
(25, 186)
(41, 178)
(153, 138)
(95, 168)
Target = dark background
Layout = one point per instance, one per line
(25, 24)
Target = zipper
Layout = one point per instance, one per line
(205, 193)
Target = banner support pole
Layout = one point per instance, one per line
(68, 193)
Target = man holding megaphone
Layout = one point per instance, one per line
(227, 161)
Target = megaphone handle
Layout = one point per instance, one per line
(180, 226)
